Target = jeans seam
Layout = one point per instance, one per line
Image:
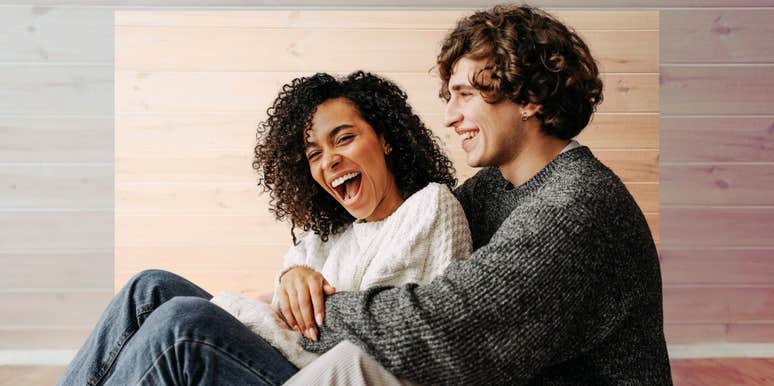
(97, 378)
(215, 348)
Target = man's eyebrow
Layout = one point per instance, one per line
(331, 134)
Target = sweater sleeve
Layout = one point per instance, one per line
(522, 303)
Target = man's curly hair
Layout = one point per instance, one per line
(416, 158)
(531, 57)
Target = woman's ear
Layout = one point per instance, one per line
(385, 146)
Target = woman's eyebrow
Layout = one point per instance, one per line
(330, 135)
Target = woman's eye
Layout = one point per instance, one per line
(466, 94)
(312, 155)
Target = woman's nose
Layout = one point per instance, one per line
(331, 160)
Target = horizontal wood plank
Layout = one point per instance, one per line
(717, 139)
(56, 230)
(44, 338)
(56, 187)
(249, 283)
(42, 309)
(718, 184)
(34, 138)
(732, 90)
(56, 89)
(187, 92)
(717, 36)
(702, 226)
(430, 4)
(333, 50)
(718, 304)
(365, 19)
(246, 258)
(717, 266)
(56, 269)
(56, 34)
(229, 166)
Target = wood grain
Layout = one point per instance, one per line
(718, 184)
(717, 36)
(732, 226)
(35, 138)
(707, 304)
(56, 89)
(56, 187)
(40, 309)
(443, 19)
(57, 34)
(248, 282)
(717, 139)
(146, 48)
(75, 269)
(720, 90)
(162, 133)
(184, 92)
(717, 266)
(49, 337)
(46, 230)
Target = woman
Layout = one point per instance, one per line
(348, 162)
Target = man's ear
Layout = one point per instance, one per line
(531, 109)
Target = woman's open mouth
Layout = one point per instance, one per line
(347, 186)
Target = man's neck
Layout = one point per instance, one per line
(536, 152)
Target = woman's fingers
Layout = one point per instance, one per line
(287, 312)
(318, 301)
(305, 306)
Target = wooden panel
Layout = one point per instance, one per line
(722, 371)
(184, 92)
(430, 4)
(56, 230)
(56, 89)
(717, 139)
(717, 90)
(717, 36)
(56, 269)
(717, 226)
(181, 230)
(56, 187)
(717, 266)
(725, 333)
(718, 184)
(248, 282)
(34, 138)
(163, 133)
(30, 375)
(229, 166)
(204, 258)
(56, 34)
(400, 50)
(44, 338)
(39, 309)
(365, 19)
(718, 304)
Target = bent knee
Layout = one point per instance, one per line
(187, 310)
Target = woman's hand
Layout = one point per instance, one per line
(301, 295)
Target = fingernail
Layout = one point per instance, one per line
(318, 317)
(312, 334)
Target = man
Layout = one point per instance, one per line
(564, 284)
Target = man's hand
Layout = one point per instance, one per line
(301, 295)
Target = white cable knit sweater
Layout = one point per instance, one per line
(413, 245)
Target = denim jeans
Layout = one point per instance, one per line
(161, 329)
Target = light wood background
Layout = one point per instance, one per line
(56, 160)
(191, 87)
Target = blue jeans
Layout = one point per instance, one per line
(161, 329)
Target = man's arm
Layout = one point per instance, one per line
(522, 303)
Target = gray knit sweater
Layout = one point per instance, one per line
(563, 288)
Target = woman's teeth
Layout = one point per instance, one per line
(337, 182)
(468, 135)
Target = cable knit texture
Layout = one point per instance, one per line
(563, 288)
(413, 245)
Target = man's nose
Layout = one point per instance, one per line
(451, 115)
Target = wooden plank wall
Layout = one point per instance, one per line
(56, 162)
(191, 86)
(717, 174)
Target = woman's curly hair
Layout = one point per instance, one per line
(416, 158)
(531, 58)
